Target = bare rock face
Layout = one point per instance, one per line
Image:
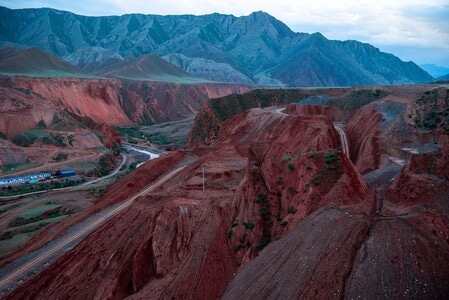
(111, 101)
(311, 261)
(363, 132)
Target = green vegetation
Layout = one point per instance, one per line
(19, 167)
(38, 210)
(27, 138)
(291, 209)
(61, 156)
(3, 136)
(132, 166)
(265, 214)
(230, 233)
(41, 125)
(116, 149)
(432, 111)
(286, 159)
(160, 139)
(261, 198)
(291, 166)
(359, 98)
(105, 165)
(235, 224)
(129, 131)
(264, 241)
(330, 157)
(98, 192)
(248, 225)
(279, 180)
(222, 109)
(311, 154)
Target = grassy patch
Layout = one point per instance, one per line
(26, 138)
(20, 167)
(38, 210)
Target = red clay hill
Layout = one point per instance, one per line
(285, 213)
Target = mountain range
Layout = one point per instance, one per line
(255, 49)
(434, 70)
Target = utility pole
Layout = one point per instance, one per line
(202, 168)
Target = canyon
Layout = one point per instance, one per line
(284, 211)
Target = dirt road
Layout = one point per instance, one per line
(343, 138)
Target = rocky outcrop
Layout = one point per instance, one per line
(363, 131)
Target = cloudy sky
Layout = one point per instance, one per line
(416, 30)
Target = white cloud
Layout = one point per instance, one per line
(383, 23)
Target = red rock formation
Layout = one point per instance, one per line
(115, 102)
(180, 242)
(283, 208)
(363, 131)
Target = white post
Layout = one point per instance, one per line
(202, 167)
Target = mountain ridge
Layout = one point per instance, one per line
(258, 46)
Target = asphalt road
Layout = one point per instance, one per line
(10, 280)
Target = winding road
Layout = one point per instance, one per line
(343, 138)
(71, 239)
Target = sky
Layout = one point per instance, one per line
(413, 30)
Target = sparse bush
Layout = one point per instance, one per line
(60, 156)
(291, 166)
(230, 233)
(3, 136)
(330, 157)
(41, 125)
(279, 180)
(291, 209)
(265, 240)
(286, 159)
(248, 225)
(261, 198)
(311, 155)
(132, 166)
(236, 223)
(264, 212)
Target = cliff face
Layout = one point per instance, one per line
(364, 137)
(26, 101)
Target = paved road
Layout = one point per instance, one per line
(343, 138)
(37, 262)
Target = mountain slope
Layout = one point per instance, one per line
(258, 46)
(146, 67)
(434, 70)
(443, 78)
(34, 62)
(208, 69)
